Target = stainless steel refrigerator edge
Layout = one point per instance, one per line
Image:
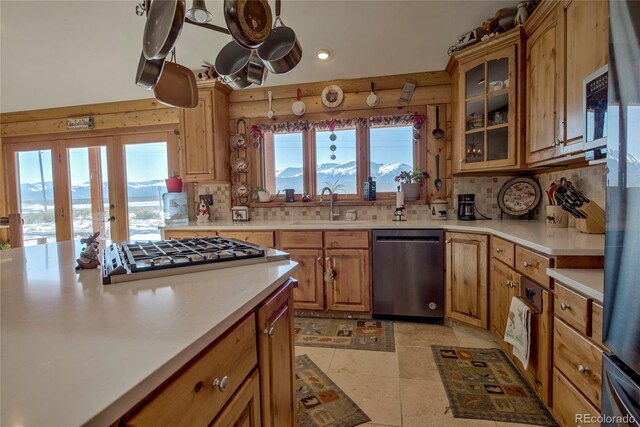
(408, 274)
(621, 367)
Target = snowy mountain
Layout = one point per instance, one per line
(345, 173)
(137, 191)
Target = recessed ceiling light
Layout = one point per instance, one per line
(324, 54)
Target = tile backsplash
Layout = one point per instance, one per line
(590, 180)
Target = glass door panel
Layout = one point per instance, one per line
(35, 196)
(89, 182)
(474, 147)
(498, 143)
(498, 74)
(474, 82)
(146, 168)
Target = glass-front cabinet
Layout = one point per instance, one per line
(487, 125)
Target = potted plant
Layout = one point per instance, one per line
(411, 181)
(263, 194)
(174, 184)
(335, 187)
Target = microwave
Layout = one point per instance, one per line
(594, 106)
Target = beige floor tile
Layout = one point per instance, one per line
(378, 397)
(417, 364)
(379, 363)
(477, 338)
(423, 335)
(320, 356)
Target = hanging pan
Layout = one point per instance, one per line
(164, 23)
(281, 51)
(232, 65)
(149, 71)
(177, 86)
(249, 21)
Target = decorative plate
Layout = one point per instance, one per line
(238, 141)
(332, 96)
(240, 165)
(241, 190)
(519, 196)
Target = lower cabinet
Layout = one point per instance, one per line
(309, 295)
(568, 402)
(467, 278)
(244, 408)
(505, 282)
(348, 289)
(277, 359)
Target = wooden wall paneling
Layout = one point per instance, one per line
(4, 233)
(221, 134)
(447, 172)
(352, 101)
(432, 78)
(434, 146)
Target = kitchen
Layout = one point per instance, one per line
(337, 273)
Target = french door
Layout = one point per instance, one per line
(69, 188)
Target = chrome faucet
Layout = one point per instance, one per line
(332, 215)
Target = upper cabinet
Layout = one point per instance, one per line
(204, 136)
(566, 41)
(486, 113)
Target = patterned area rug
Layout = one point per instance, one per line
(374, 335)
(483, 384)
(320, 401)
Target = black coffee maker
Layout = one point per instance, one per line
(467, 207)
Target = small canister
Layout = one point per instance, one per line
(439, 209)
(556, 217)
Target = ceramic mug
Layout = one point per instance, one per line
(556, 217)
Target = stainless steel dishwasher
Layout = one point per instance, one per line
(408, 274)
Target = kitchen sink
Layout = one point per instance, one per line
(327, 222)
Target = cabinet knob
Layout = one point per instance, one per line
(319, 259)
(499, 250)
(270, 332)
(582, 369)
(198, 386)
(564, 306)
(221, 384)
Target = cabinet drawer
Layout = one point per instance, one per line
(568, 402)
(573, 308)
(187, 234)
(261, 238)
(190, 399)
(579, 360)
(300, 239)
(503, 250)
(533, 265)
(346, 239)
(597, 317)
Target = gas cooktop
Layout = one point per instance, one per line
(133, 261)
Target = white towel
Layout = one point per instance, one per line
(518, 331)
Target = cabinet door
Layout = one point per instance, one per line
(260, 238)
(276, 348)
(587, 48)
(504, 286)
(196, 139)
(350, 289)
(309, 295)
(545, 105)
(466, 277)
(243, 410)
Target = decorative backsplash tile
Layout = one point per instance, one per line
(221, 199)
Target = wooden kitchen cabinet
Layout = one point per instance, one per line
(505, 284)
(260, 238)
(349, 290)
(567, 40)
(487, 112)
(277, 361)
(309, 295)
(204, 136)
(243, 410)
(467, 278)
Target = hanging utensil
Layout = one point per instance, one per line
(298, 107)
(281, 51)
(149, 71)
(270, 112)
(438, 181)
(232, 65)
(437, 132)
(198, 12)
(249, 21)
(372, 99)
(163, 27)
(177, 85)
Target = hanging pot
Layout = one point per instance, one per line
(256, 73)
(298, 107)
(162, 29)
(281, 51)
(177, 86)
(149, 71)
(249, 21)
(232, 65)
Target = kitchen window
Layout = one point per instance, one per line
(390, 152)
(336, 161)
(284, 162)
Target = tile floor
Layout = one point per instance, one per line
(402, 388)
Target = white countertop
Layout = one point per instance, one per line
(533, 234)
(75, 351)
(585, 281)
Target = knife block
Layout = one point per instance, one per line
(594, 223)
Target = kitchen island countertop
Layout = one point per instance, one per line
(532, 234)
(77, 352)
(589, 282)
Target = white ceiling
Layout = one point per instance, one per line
(61, 53)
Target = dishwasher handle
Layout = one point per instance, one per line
(415, 239)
